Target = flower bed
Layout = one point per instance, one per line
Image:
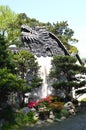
(45, 105)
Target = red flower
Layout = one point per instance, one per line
(31, 104)
(44, 100)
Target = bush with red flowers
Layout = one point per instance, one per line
(53, 98)
(44, 102)
(31, 104)
(50, 102)
(56, 106)
(45, 105)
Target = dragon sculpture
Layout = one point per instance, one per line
(41, 42)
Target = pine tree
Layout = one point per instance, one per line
(9, 82)
(65, 73)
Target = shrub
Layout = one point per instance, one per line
(64, 112)
(20, 120)
(31, 119)
(44, 104)
(56, 106)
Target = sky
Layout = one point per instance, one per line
(72, 11)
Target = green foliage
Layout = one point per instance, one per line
(9, 83)
(9, 126)
(31, 119)
(36, 82)
(5, 55)
(26, 64)
(9, 117)
(67, 85)
(64, 33)
(25, 61)
(66, 65)
(18, 120)
(3, 52)
(6, 17)
(64, 113)
(64, 73)
(64, 59)
(22, 119)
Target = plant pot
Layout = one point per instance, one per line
(43, 115)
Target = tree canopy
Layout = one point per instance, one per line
(64, 33)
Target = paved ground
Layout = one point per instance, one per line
(74, 123)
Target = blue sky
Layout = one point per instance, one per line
(72, 11)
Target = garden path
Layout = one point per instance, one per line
(77, 122)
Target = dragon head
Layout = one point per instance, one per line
(40, 41)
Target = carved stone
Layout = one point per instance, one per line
(41, 42)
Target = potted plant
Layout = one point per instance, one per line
(44, 108)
